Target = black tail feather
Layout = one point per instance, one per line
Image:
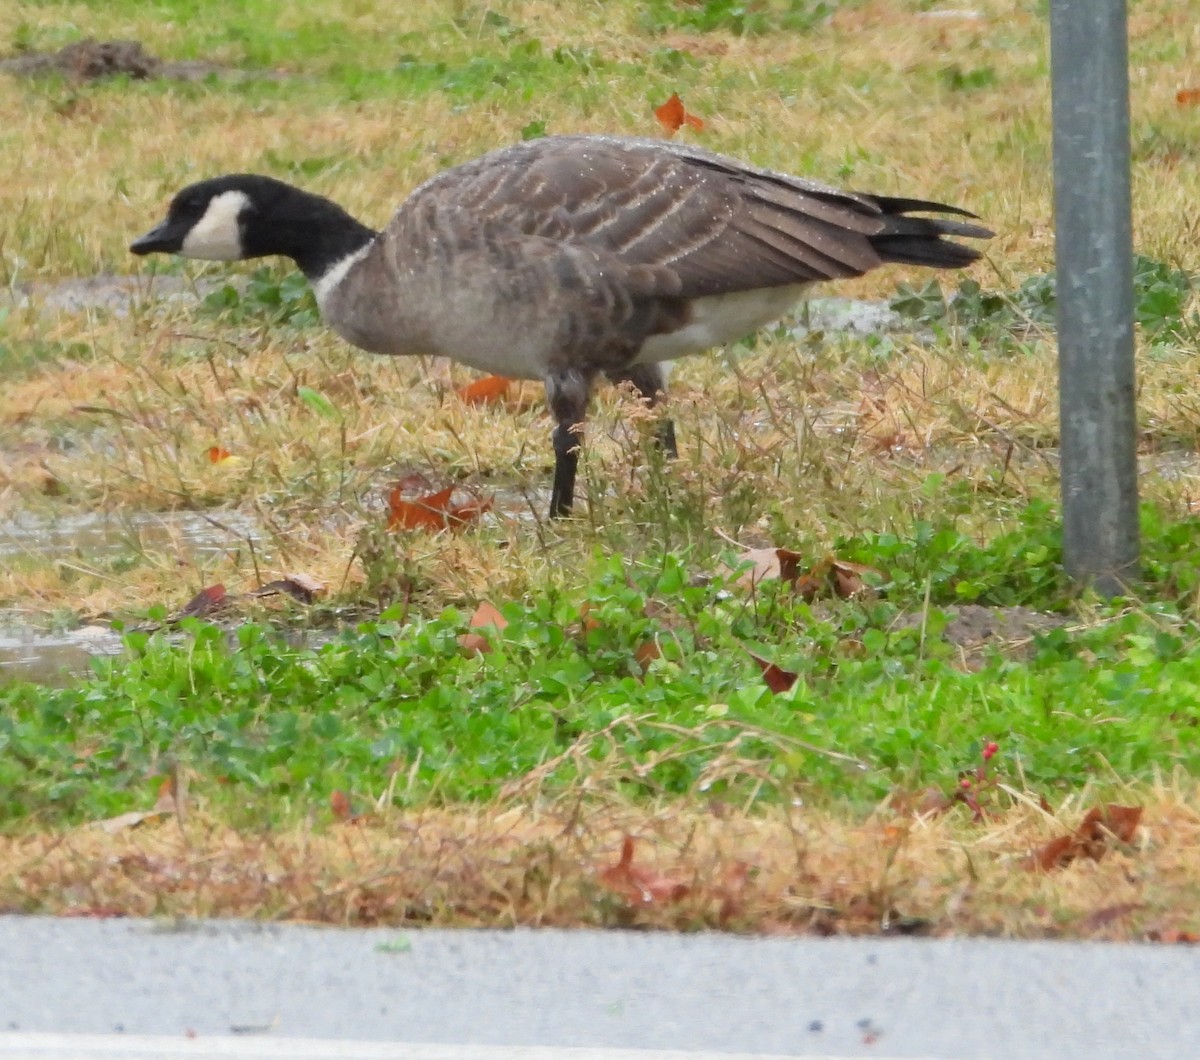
(919, 240)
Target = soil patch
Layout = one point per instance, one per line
(975, 630)
(91, 60)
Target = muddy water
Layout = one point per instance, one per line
(101, 542)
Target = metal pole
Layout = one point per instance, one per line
(1094, 241)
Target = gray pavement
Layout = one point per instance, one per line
(251, 989)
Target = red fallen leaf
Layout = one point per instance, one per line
(1090, 839)
(490, 390)
(204, 602)
(640, 886)
(1188, 97)
(339, 803)
(777, 679)
(432, 512)
(486, 614)
(672, 116)
(427, 513)
(646, 653)
(1173, 937)
(1120, 821)
(216, 454)
(460, 515)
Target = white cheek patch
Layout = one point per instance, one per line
(216, 236)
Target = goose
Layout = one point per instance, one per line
(567, 258)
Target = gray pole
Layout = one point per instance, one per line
(1094, 241)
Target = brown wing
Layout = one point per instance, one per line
(718, 225)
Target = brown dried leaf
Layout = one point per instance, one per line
(769, 564)
(640, 886)
(339, 803)
(1119, 821)
(424, 513)
(490, 390)
(486, 614)
(1090, 839)
(646, 653)
(300, 586)
(777, 679)
(1173, 936)
(672, 116)
(124, 821)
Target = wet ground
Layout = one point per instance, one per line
(106, 541)
(96, 541)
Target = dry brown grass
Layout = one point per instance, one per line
(536, 863)
(792, 441)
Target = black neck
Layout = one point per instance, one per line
(313, 231)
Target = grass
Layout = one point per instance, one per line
(926, 455)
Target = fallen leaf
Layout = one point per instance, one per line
(768, 564)
(339, 803)
(205, 602)
(777, 679)
(847, 578)
(1119, 821)
(1188, 97)
(460, 515)
(672, 116)
(486, 614)
(646, 653)
(640, 886)
(124, 821)
(1090, 839)
(833, 577)
(433, 511)
(301, 586)
(426, 513)
(1173, 936)
(490, 390)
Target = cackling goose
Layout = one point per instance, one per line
(567, 257)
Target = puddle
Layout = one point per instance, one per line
(852, 316)
(118, 295)
(98, 540)
(52, 658)
(99, 537)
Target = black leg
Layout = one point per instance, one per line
(567, 394)
(650, 381)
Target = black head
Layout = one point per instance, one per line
(246, 216)
(209, 220)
